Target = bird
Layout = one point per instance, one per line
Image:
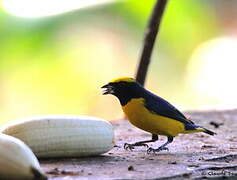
(150, 113)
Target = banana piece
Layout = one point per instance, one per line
(17, 161)
(64, 135)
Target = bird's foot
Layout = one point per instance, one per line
(128, 146)
(162, 148)
(132, 146)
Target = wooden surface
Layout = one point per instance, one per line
(194, 156)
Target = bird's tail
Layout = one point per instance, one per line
(192, 128)
(208, 131)
(202, 129)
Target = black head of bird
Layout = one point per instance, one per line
(124, 89)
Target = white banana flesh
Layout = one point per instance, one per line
(17, 161)
(64, 135)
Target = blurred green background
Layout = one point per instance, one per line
(57, 64)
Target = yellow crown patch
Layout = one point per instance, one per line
(123, 79)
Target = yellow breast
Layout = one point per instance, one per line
(142, 118)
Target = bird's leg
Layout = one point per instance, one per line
(140, 143)
(162, 147)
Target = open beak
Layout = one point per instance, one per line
(108, 89)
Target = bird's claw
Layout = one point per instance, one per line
(151, 150)
(131, 146)
(141, 144)
(128, 146)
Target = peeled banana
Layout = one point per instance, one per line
(63, 135)
(17, 161)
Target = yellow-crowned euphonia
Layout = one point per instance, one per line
(150, 113)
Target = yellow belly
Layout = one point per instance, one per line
(140, 117)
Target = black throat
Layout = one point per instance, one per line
(124, 100)
(126, 94)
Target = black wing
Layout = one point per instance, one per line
(158, 105)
